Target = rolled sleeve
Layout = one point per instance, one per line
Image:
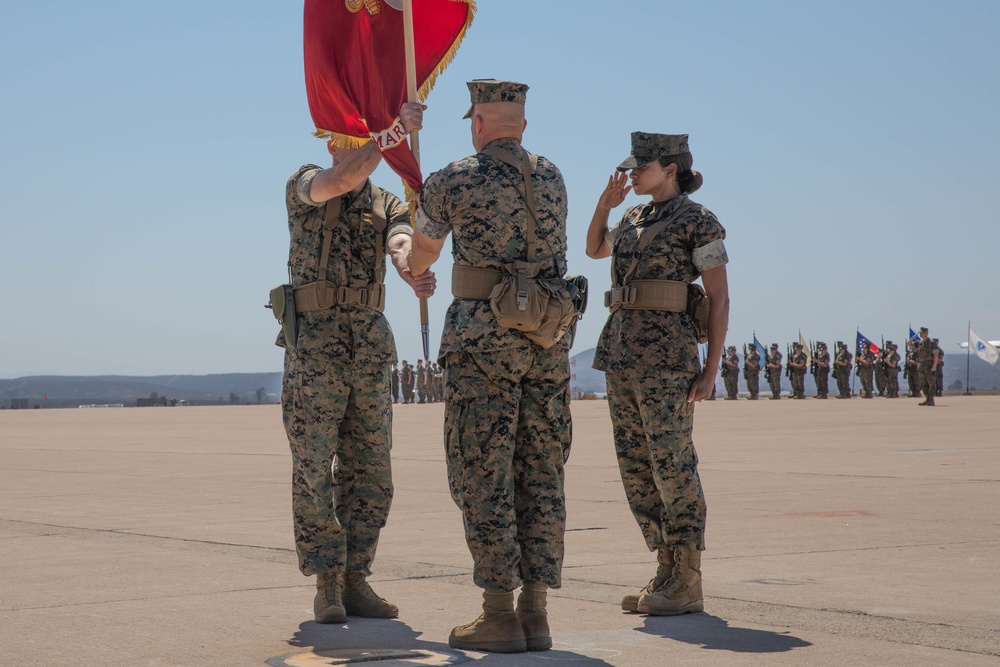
(430, 227)
(710, 255)
(304, 185)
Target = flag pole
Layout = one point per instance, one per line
(411, 95)
(968, 356)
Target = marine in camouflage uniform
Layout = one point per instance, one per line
(939, 373)
(879, 371)
(507, 416)
(798, 363)
(891, 365)
(866, 369)
(394, 382)
(912, 368)
(773, 372)
(650, 356)
(731, 373)
(842, 370)
(821, 370)
(751, 372)
(406, 382)
(335, 390)
(421, 379)
(928, 360)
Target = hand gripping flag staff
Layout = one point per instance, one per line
(363, 60)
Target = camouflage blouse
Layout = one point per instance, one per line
(342, 332)
(479, 201)
(686, 247)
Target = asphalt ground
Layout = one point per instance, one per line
(860, 532)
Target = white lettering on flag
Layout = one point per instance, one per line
(391, 137)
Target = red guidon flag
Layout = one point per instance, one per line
(355, 62)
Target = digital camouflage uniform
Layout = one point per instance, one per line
(751, 373)
(798, 374)
(866, 371)
(842, 373)
(774, 374)
(651, 358)
(939, 373)
(880, 371)
(913, 369)
(421, 379)
(335, 390)
(394, 383)
(925, 359)
(406, 382)
(507, 418)
(821, 373)
(730, 375)
(892, 371)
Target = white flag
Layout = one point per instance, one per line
(983, 349)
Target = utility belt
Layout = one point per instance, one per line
(473, 282)
(323, 295)
(668, 295)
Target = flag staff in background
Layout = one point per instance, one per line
(411, 95)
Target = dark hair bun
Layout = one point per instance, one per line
(690, 182)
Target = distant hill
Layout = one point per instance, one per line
(228, 388)
(66, 391)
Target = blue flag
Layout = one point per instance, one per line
(760, 348)
(914, 337)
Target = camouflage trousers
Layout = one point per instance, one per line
(774, 381)
(928, 383)
(843, 382)
(798, 380)
(892, 384)
(732, 385)
(753, 384)
(822, 383)
(652, 422)
(865, 377)
(342, 411)
(507, 435)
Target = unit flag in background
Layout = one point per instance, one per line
(355, 67)
(982, 348)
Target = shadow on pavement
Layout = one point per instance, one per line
(395, 634)
(712, 632)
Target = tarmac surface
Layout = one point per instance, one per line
(860, 532)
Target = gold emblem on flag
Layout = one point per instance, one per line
(355, 6)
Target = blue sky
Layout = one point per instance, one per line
(850, 149)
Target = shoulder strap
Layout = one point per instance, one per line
(647, 237)
(377, 220)
(331, 213)
(527, 165)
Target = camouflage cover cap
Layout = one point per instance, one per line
(484, 91)
(647, 147)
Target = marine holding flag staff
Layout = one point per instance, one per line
(649, 351)
(335, 391)
(507, 420)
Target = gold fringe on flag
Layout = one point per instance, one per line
(347, 141)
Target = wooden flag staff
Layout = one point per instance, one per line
(411, 94)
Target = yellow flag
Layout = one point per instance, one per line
(805, 346)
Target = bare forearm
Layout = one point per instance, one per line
(424, 251)
(399, 249)
(597, 244)
(346, 175)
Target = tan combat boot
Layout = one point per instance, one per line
(361, 600)
(681, 594)
(665, 558)
(534, 619)
(328, 606)
(497, 629)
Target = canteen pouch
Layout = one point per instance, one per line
(544, 309)
(282, 304)
(518, 301)
(697, 309)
